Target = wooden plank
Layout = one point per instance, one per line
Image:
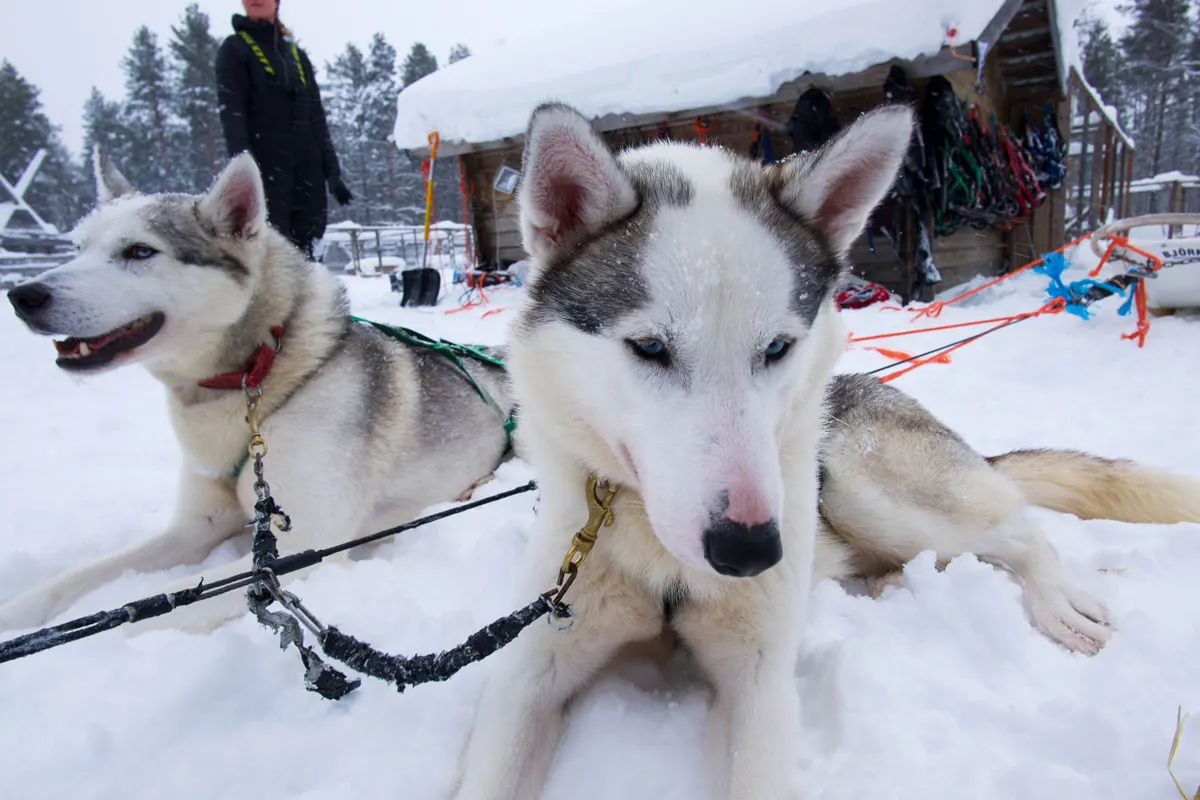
(1056, 43)
(1094, 178)
(1025, 35)
(995, 29)
(1082, 162)
(1129, 178)
(1015, 62)
(910, 254)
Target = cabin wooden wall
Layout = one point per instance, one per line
(495, 214)
(966, 254)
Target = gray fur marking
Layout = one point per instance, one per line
(378, 393)
(862, 404)
(816, 267)
(174, 219)
(598, 282)
(660, 184)
(443, 385)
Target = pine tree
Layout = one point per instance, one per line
(459, 52)
(25, 129)
(104, 125)
(1191, 89)
(345, 102)
(194, 99)
(390, 174)
(23, 125)
(147, 114)
(1102, 61)
(360, 99)
(417, 64)
(1156, 47)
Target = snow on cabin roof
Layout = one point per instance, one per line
(1109, 112)
(652, 56)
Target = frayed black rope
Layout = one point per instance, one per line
(403, 672)
(266, 546)
(160, 604)
(138, 610)
(319, 677)
(413, 671)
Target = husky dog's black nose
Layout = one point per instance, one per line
(29, 298)
(740, 550)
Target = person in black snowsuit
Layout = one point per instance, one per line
(270, 105)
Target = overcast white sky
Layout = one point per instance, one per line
(67, 46)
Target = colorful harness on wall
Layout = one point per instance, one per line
(262, 57)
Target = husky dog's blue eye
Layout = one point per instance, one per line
(138, 252)
(649, 349)
(777, 350)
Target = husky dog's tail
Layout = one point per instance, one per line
(1091, 487)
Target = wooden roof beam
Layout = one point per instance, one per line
(1026, 60)
(1025, 35)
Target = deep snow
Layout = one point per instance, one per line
(630, 57)
(938, 690)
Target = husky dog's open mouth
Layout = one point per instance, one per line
(96, 351)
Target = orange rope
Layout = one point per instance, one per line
(474, 284)
(464, 192)
(1139, 291)
(935, 308)
(1104, 258)
(1143, 323)
(940, 328)
(1052, 307)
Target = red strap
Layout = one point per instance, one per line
(255, 371)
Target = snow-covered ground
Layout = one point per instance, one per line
(938, 690)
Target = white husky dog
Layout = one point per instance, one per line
(363, 431)
(678, 342)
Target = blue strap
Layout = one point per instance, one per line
(1053, 265)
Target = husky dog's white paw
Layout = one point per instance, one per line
(1072, 618)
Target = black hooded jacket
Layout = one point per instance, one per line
(277, 115)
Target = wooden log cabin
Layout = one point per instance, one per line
(1013, 66)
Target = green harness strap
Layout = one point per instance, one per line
(254, 48)
(454, 353)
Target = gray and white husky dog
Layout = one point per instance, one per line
(364, 432)
(678, 343)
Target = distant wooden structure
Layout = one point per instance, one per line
(1015, 66)
(1099, 161)
(1171, 192)
(20, 225)
(28, 244)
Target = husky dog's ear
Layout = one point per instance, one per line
(110, 183)
(836, 189)
(571, 184)
(236, 204)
